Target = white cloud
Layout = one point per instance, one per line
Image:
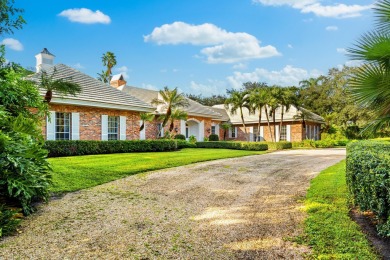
(240, 66)
(341, 50)
(212, 87)
(290, 46)
(149, 86)
(331, 28)
(124, 71)
(288, 76)
(78, 66)
(223, 46)
(13, 44)
(354, 63)
(314, 6)
(84, 15)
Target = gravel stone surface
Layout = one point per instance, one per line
(241, 208)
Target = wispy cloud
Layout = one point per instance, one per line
(13, 44)
(336, 10)
(78, 66)
(124, 70)
(290, 46)
(223, 46)
(84, 15)
(341, 50)
(331, 28)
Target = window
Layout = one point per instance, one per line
(187, 131)
(113, 125)
(283, 133)
(233, 132)
(213, 130)
(62, 126)
(160, 130)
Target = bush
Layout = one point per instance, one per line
(192, 139)
(326, 143)
(278, 145)
(8, 221)
(368, 179)
(180, 137)
(181, 144)
(254, 146)
(213, 138)
(72, 148)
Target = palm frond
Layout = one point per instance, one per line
(382, 15)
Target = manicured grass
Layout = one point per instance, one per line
(80, 172)
(328, 229)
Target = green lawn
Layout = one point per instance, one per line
(328, 229)
(80, 172)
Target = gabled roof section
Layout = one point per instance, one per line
(194, 108)
(117, 77)
(46, 51)
(222, 112)
(94, 92)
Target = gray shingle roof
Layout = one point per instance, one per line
(193, 109)
(93, 90)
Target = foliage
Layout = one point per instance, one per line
(213, 137)
(181, 144)
(10, 17)
(208, 101)
(329, 231)
(225, 126)
(252, 146)
(8, 220)
(60, 86)
(370, 83)
(172, 101)
(109, 61)
(80, 172)
(238, 100)
(77, 147)
(180, 136)
(278, 145)
(145, 117)
(177, 114)
(368, 179)
(205, 139)
(192, 139)
(258, 99)
(326, 143)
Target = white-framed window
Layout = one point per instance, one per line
(62, 126)
(187, 131)
(283, 133)
(213, 130)
(160, 130)
(233, 132)
(113, 127)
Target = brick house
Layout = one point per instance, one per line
(298, 124)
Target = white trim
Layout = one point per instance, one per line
(288, 130)
(122, 128)
(104, 127)
(51, 126)
(142, 133)
(217, 129)
(183, 127)
(75, 130)
(277, 133)
(251, 134)
(201, 131)
(261, 133)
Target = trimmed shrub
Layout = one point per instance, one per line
(180, 137)
(184, 144)
(278, 145)
(72, 148)
(326, 143)
(368, 179)
(254, 146)
(213, 138)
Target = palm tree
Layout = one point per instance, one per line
(145, 117)
(171, 100)
(109, 61)
(258, 99)
(60, 86)
(311, 82)
(237, 101)
(273, 104)
(225, 126)
(286, 100)
(177, 114)
(370, 84)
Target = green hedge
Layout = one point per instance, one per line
(368, 179)
(213, 137)
(181, 144)
(72, 148)
(278, 145)
(327, 143)
(253, 146)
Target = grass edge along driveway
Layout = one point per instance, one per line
(81, 172)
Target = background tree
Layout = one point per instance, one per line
(258, 99)
(109, 61)
(10, 17)
(238, 100)
(370, 84)
(208, 101)
(171, 100)
(145, 117)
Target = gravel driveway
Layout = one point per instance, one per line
(241, 208)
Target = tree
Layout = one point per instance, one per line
(273, 104)
(208, 101)
(109, 61)
(370, 84)
(171, 100)
(286, 99)
(238, 100)
(10, 17)
(258, 99)
(225, 126)
(177, 114)
(145, 117)
(59, 85)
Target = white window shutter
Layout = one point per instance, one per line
(277, 133)
(217, 129)
(162, 131)
(183, 127)
(201, 131)
(122, 128)
(288, 129)
(261, 133)
(142, 133)
(104, 127)
(51, 126)
(75, 126)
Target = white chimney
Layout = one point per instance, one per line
(44, 60)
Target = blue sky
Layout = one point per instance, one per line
(200, 46)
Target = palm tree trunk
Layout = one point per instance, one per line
(269, 125)
(274, 121)
(142, 126)
(259, 126)
(281, 123)
(243, 123)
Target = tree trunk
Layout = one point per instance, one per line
(243, 123)
(259, 126)
(48, 96)
(142, 126)
(281, 123)
(274, 121)
(269, 125)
